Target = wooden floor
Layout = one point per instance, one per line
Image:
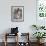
(13, 44)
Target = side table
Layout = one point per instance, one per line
(8, 34)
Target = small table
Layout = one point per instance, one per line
(9, 34)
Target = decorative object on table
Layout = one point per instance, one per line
(17, 13)
(14, 30)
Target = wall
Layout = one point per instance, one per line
(29, 15)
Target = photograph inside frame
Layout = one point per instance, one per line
(17, 13)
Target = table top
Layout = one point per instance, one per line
(9, 34)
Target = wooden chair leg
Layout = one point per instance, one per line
(5, 39)
(17, 39)
(5, 43)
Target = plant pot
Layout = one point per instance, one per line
(40, 41)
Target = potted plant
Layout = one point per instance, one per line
(39, 35)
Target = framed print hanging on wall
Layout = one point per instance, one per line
(17, 13)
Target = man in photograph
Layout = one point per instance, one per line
(18, 13)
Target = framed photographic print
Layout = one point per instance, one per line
(17, 13)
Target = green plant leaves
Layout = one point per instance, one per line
(39, 35)
(40, 27)
(42, 10)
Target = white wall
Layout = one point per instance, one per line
(29, 15)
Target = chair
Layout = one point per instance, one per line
(14, 32)
(7, 34)
(26, 41)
